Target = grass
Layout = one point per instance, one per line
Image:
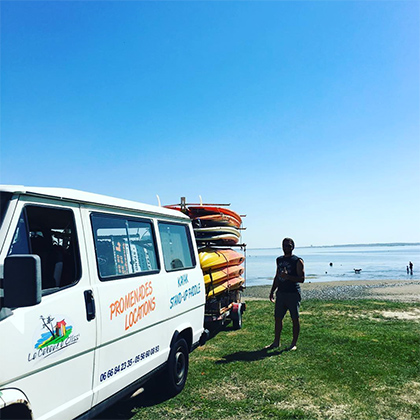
(355, 359)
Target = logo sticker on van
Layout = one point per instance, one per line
(59, 335)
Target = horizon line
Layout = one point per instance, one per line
(345, 245)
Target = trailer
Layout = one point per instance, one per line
(221, 311)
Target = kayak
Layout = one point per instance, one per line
(210, 259)
(220, 275)
(228, 285)
(210, 215)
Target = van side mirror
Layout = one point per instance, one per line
(22, 281)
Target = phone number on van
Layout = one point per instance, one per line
(129, 363)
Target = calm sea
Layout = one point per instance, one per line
(377, 262)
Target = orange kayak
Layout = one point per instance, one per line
(211, 259)
(228, 285)
(216, 219)
(222, 274)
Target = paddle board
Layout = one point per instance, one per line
(224, 239)
(213, 259)
(228, 285)
(220, 275)
(218, 234)
(217, 230)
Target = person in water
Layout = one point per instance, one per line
(286, 284)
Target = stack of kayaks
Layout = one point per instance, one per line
(214, 226)
(216, 229)
(222, 269)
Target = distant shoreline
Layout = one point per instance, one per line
(347, 245)
(396, 290)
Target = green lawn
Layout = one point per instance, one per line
(355, 360)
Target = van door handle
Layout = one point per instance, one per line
(90, 305)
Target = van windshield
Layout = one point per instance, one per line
(4, 203)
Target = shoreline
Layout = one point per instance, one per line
(395, 290)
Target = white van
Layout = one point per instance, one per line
(96, 295)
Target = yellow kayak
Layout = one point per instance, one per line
(221, 274)
(211, 259)
(228, 285)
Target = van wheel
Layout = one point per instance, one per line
(15, 412)
(237, 321)
(177, 369)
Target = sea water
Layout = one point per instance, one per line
(332, 263)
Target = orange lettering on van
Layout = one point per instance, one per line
(112, 308)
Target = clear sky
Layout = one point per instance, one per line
(303, 115)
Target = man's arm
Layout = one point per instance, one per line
(300, 269)
(275, 285)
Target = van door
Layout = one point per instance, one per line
(130, 295)
(49, 350)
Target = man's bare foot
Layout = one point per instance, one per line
(292, 347)
(272, 346)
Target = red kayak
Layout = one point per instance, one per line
(211, 215)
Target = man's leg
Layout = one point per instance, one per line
(278, 326)
(296, 331)
(294, 314)
(279, 312)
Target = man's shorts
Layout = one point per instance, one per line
(287, 302)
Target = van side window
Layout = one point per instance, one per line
(123, 246)
(4, 203)
(176, 246)
(20, 243)
(51, 234)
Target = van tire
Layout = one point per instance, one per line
(237, 322)
(15, 412)
(177, 368)
(236, 315)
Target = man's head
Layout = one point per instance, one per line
(288, 246)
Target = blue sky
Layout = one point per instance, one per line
(303, 115)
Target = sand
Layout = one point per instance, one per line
(395, 290)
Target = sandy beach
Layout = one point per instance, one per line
(396, 290)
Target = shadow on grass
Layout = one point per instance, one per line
(123, 409)
(250, 356)
(218, 327)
